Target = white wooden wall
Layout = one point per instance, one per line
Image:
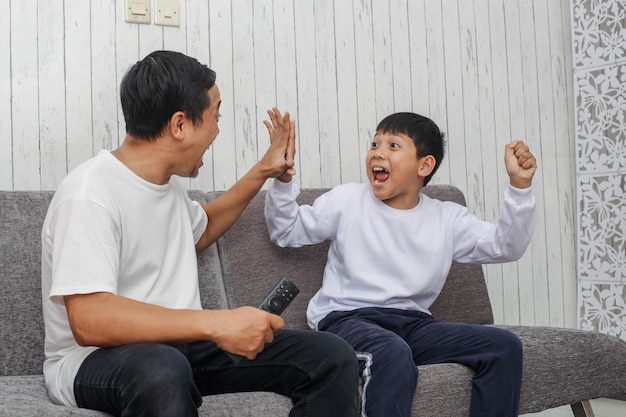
(487, 71)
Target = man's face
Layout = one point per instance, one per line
(392, 168)
(204, 132)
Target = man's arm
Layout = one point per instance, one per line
(278, 161)
(242, 331)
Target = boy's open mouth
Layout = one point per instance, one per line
(380, 174)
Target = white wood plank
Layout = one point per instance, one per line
(285, 57)
(6, 126)
(196, 27)
(419, 59)
(383, 59)
(24, 88)
(567, 183)
(244, 87)
(437, 81)
(308, 129)
(549, 300)
(327, 94)
(126, 55)
(104, 81)
(51, 94)
(401, 57)
(150, 38)
(352, 160)
(455, 125)
(264, 69)
(505, 37)
(477, 164)
(489, 143)
(221, 158)
(285, 64)
(365, 78)
(78, 84)
(536, 270)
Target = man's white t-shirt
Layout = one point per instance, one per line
(108, 230)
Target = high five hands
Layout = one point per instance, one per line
(520, 164)
(282, 132)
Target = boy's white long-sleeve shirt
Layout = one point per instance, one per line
(384, 257)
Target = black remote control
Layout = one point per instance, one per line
(275, 302)
(279, 298)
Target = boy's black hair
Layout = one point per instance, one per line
(158, 86)
(427, 137)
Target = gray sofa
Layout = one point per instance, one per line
(562, 366)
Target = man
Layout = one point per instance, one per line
(125, 331)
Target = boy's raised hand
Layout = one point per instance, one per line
(520, 164)
(282, 144)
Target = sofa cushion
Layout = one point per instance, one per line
(566, 366)
(21, 326)
(443, 390)
(26, 396)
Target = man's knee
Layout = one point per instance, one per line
(160, 362)
(334, 351)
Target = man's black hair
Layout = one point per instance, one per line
(158, 86)
(426, 135)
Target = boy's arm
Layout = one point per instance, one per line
(520, 164)
(292, 225)
(278, 161)
(482, 242)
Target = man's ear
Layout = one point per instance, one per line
(426, 165)
(176, 125)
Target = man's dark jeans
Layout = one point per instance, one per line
(318, 370)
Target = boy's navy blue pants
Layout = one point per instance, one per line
(390, 343)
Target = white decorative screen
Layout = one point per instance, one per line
(599, 52)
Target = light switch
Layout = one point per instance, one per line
(167, 12)
(138, 11)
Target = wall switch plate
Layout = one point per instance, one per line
(167, 12)
(138, 11)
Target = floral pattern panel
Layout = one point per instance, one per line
(598, 32)
(601, 130)
(599, 50)
(602, 307)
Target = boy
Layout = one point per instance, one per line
(391, 250)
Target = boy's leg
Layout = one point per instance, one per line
(138, 380)
(494, 354)
(389, 374)
(319, 371)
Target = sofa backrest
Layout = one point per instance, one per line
(21, 322)
(252, 265)
(238, 270)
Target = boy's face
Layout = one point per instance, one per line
(394, 170)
